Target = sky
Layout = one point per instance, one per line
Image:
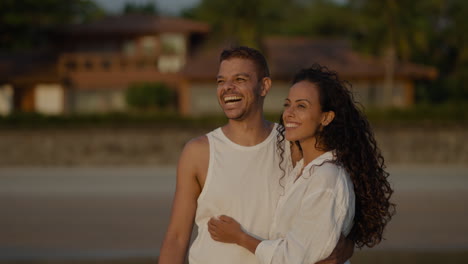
(172, 7)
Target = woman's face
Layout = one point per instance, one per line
(302, 114)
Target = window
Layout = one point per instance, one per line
(70, 65)
(88, 65)
(106, 64)
(173, 44)
(148, 46)
(172, 57)
(129, 48)
(170, 63)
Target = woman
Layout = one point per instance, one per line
(339, 187)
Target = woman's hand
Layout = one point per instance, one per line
(225, 229)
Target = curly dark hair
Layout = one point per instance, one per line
(351, 137)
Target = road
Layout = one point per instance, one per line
(123, 212)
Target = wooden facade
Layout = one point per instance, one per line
(287, 55)
(93, 64)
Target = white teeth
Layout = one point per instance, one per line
(231, 98)
(291, 125)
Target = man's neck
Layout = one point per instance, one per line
(248, 132)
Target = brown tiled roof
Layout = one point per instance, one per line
(28, 67)
(138, 24)
(287, 55)
(203, 65)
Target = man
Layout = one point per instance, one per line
(233, 170)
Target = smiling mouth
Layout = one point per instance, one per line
(291, 125)
(232, 99)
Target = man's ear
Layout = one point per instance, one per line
(265, 86)
(328, 118)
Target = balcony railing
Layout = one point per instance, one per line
(99, 62)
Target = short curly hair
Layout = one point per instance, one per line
(248, 53)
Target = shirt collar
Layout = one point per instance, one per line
(327, 156)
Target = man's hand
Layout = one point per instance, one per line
(343, 251)
(225, 229)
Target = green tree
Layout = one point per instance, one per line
(316, 18)
(243, 21)
(430, 32)
(148, 8)
(26, 24)
(449, 51)
(144, 96)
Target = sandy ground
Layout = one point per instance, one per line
(123, 212)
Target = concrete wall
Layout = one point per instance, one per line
(6, 99)
(274, 101)
(162, 146)
(371, 93)
(97, 101)
(204, 101)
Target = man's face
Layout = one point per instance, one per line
(239, 88)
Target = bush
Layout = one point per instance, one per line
(144, 96)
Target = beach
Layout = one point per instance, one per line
(88, 214)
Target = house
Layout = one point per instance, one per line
(29, 82)
(286, 55)
(93, 64)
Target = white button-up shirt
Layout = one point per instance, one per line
(315, 209)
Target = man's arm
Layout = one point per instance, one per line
(343, 251)
(193, 160)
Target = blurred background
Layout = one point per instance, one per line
(97, 99)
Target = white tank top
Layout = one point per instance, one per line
(242, 182)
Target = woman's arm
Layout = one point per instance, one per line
(227, 230)
(313, 235)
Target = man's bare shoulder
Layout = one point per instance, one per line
(198, 144)
(195, 158)
(196, 149)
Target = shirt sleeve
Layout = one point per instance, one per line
(313, 235)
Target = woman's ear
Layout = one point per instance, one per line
(328, 118)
